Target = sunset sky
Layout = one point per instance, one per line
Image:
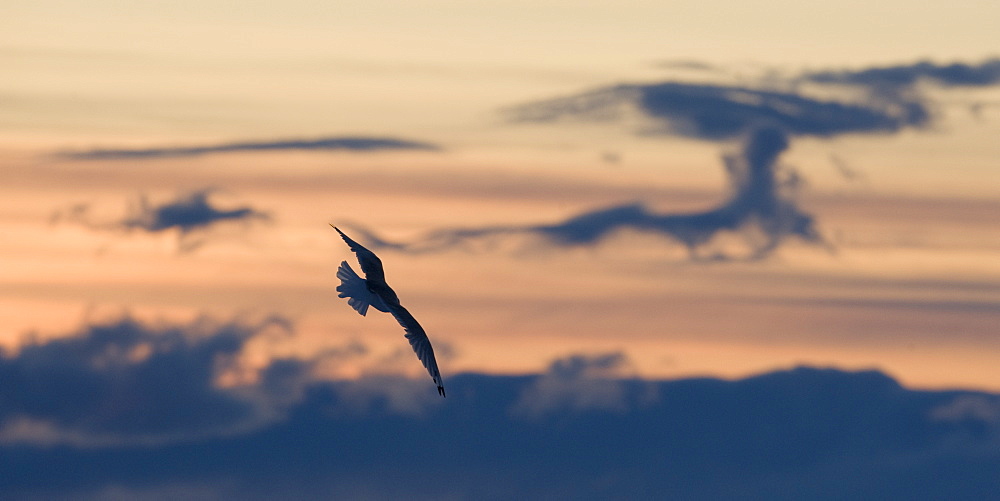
(695, 188)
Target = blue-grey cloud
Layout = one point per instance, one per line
(187, 213)
(762, 207)
(347, 143)
(799, 434)
(888, 102)
(600, 365)
(125, 382)
(721, 112)
(901, 77)
(686, 64)
(770, 113)
(582, 383)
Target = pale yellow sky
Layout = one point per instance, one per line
(579, 33)
(129, 71)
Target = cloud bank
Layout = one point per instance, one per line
(123, 383)
(347, 143)
(124, 409)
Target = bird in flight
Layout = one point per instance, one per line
(373, 291)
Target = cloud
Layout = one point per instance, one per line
(606, 365)
(768, 114)
(581, 383)
(969, 407)
(124, 382)
(721, 112)
(395, 395)
(762, 207)
(686, 64)
(187, 213)
(347, 143)
(888, 102)
(897, 78)
(805, 433)
(845, 169)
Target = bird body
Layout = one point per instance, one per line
(373, 291)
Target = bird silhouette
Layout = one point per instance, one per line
(375, 292)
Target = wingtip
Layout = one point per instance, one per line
(441, 391)
(338, 230)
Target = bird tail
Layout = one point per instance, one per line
(355, 289)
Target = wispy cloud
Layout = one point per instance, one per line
(897, 78)
(346, 143)
(721, 112)
(762, 208)
(767, 114)
(187, 213)
(889, 101)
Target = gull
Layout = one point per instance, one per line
(373, 291)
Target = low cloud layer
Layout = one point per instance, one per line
(358, 144)
(125, 382)
(187, 213)
(580, 383)
(137, 410)
(762, 208)
(149, 419)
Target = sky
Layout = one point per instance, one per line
(760, 237)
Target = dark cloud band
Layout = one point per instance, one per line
(358, 144)
(717, 112)
(592, 433)
(905, 76)
(888, 102)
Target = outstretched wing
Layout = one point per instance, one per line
(418, 341)
(371, 265)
